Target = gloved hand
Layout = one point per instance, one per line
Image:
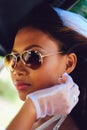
(58, 99)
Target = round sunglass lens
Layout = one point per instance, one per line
(32, 58)
(10, 62)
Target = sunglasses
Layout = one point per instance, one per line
(33, 59)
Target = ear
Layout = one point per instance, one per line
(71, 62)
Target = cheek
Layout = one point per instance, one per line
(56, 66)
(49, 73)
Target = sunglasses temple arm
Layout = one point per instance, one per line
(52, 54)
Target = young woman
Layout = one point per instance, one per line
(46, 48)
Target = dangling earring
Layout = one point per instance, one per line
(62, 79)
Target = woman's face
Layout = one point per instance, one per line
(27, 80)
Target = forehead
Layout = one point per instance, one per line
(29, 36)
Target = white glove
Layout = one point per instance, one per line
(58, 99)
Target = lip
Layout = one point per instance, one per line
(21, 86)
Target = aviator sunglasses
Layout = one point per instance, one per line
(32, 58)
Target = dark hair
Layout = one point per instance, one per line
(79, 75)
(43, 17)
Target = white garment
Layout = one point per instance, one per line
(52, 120)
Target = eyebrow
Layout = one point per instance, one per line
(29, 47)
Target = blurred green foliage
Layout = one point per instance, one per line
(0, 58)
(7, 90)
(80, 8)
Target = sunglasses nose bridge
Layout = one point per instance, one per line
(25, 56)
(21, 59)
(17, 59)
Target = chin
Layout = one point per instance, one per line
(22, 96)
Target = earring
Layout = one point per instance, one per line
(62, 79)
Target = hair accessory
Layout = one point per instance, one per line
(73, 21)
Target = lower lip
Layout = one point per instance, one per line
(21, 87)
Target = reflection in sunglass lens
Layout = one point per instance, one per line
(10, 61)
(32, 59)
